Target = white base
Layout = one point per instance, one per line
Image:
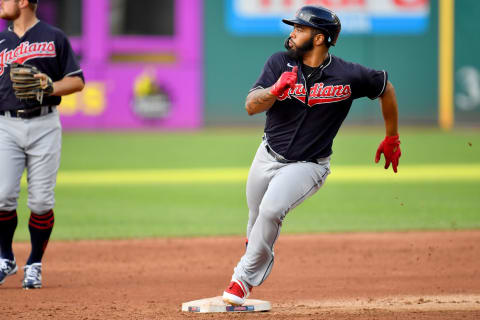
(216, 304)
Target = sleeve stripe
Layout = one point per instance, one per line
(384, 85)
(73, 73)
(256, 88)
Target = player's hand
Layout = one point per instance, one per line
(390, 147)
(287, 80)
(46, 82)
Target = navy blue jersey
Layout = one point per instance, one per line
(42, 46)
(302, 123)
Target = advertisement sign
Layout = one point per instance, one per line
(135, 97)
(263, 17)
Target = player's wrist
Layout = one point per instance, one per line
(275, 91)
(54, 89)
(392, 139)
(271, 95)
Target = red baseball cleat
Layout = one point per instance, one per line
(236, 292)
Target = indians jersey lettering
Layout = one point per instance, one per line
(26, 51)
(319, 93)
(303, 122)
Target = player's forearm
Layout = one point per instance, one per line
(259, 100)
(67, 86)
(389, 105)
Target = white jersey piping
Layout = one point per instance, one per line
(73, 73)
(384, 85)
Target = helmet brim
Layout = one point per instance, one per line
(292, 22)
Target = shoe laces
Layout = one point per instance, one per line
(33, 272)
(4, 266)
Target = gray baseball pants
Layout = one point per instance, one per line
(32, 144)
(273, 189)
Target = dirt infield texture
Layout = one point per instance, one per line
(411, 275)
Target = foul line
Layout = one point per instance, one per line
(373, 173)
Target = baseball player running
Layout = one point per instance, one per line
(306, 93)
(30, 131)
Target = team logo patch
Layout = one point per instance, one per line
(319, 93)
(26, 51)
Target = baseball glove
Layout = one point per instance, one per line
(29, 83)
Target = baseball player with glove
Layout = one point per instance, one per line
(306, 93)
(37, 67)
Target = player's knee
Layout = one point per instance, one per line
(274, 212)
(40, 207)
(41, 201)
(7, 203)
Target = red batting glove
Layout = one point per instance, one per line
(390, 147)
(287, 80)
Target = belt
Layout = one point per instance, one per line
(282, 159)
(277, 156)
(28, 113)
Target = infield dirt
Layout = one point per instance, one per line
(410, 275)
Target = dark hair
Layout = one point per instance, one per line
(316, 31)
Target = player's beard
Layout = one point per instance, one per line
(11, 15)
(297, 53)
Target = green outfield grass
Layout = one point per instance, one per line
(139, 209)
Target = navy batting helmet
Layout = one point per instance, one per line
(319, 18)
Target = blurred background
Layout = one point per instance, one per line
(183, 64)
(159, 144)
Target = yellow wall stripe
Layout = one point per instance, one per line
(446, 49)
